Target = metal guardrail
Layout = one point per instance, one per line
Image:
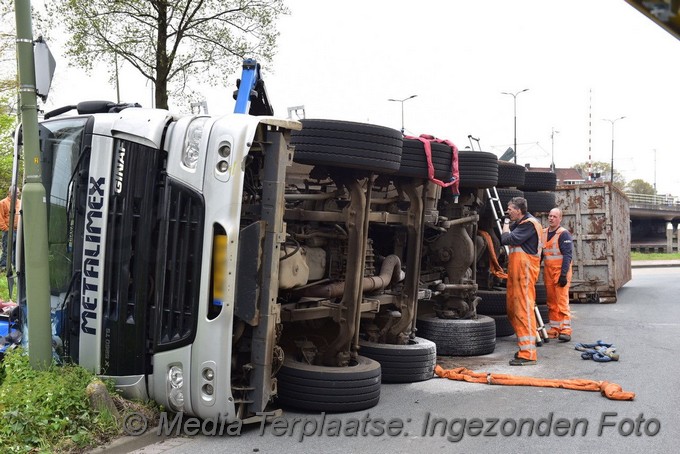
(661, 201)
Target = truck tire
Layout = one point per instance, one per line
(493, 302)
(459, 337)
(414, 161)
(539, 181)
(329, 389)
(477, 169)
(408, 363)
(540, 202)
(503, 326)
(505, 195)
(335, 143)
(510, 175)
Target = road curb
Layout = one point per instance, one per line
(127, 443)
(654, 263)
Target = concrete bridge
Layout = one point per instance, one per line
(654, 222)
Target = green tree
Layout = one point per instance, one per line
(172, 43)
(639, 186)
(604, 169)
(8, 94)
(7, 126)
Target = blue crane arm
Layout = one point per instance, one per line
(251, 95)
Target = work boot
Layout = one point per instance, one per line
(564, 337)
(522, 362)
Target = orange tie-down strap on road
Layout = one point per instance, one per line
(609, 390)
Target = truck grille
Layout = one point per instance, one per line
(131, 258)
(180, 250)
(153, 257)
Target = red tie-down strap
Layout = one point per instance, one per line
(426, 139)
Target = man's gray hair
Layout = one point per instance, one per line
(520, 203)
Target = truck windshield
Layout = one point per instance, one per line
(61, 144)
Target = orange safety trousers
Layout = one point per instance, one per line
(558, 297)
(523, 271)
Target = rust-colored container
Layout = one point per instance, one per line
(598, 217)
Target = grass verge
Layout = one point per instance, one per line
(49, 411)
(654, 256)
(4, 290)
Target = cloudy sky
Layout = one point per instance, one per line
(583, 61)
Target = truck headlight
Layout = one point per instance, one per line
(176, 399)
(192, 141)
(176, 377)
(175, 393)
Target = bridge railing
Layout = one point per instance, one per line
(660, 200)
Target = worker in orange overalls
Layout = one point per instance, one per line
(5, 225)
(557, 256)
(524, 238)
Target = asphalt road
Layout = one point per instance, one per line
(644, 325)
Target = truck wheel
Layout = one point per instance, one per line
(503, 326)
(477, 169)
(510, 175)
(540, 202)
(408, 363)
(345, 144)
(459, 337)
(493, 302)
(414, 162)
(539, 181)
(330, 389)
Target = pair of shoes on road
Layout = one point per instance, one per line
(522, 362)
(564, 338)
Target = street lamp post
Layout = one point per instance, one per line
(655, 171)
(402, 109)
(552, 139)
(514, 102)
(611, 179)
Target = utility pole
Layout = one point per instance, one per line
(33, 199)
(115, 63)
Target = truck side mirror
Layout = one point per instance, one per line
(44, 68)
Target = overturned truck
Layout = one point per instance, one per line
(229, 266)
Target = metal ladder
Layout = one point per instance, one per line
(497, 210)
